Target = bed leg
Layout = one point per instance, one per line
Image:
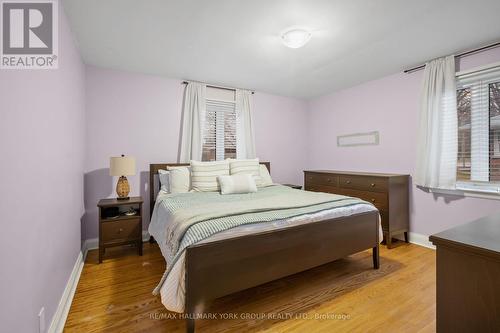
(376, 257)
(190, 324)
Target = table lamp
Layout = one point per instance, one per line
(122, 166)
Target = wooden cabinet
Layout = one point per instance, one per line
(387, 192)
(468, 277)
(117, 228)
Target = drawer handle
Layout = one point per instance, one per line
(347, 181)
(372, 184)
(373, 200)
(329, 180)
(120, 230)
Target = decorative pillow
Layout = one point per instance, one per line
(265, 177)
(240, 167)
(234, 184)
(164, 176)
(180, 179)
(204, 175)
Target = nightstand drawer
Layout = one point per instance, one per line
(121, 230)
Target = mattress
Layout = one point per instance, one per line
(172, 291)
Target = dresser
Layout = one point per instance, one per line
(388, 192)
(468, 277)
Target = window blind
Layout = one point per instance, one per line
(219, 140)
(478, 110)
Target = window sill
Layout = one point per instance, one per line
(466, 192)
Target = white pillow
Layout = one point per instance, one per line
(164, 176)
(265, 177)
(234, 184)
(250, 166)
(204, 175)
(180, 179)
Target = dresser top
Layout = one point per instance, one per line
(482, 235)
(357, 173)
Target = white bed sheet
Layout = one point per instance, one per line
(173, 289)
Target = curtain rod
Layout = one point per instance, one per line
(214, 86)
(463, 54)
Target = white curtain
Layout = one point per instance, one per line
(193, 119)
(437, 139)
(245, 142)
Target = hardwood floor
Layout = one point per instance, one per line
(346, 295)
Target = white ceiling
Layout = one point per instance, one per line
(236, 42)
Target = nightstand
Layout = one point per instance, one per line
(297, 187)
(116, 228)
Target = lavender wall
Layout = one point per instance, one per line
(140, 115)
(391, 106)
(42, 151)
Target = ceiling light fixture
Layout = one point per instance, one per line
(295, 37)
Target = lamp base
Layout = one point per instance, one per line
(122, 188)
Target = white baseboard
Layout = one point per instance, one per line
(422, 240)
(418, 239)
(59, 318)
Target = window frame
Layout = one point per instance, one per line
(478, 77)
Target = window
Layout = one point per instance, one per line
(478, 111)
(219, 140)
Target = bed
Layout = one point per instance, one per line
(258, 251)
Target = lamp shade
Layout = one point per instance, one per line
(122, 166)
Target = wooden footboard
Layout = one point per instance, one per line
(224, 267)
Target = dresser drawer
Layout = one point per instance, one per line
(372, 184)
(321, 188)
(379, 200)
(121, 230)
(321, 179)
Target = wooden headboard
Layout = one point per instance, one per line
(153, 170)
